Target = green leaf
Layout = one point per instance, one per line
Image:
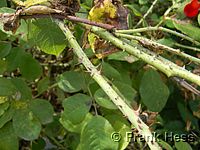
(22, 87)
(77, 128)
(19, 58)
(134, 10)
(25, 124)
(165, 145)
(110, 71)
(181, 145)
(3, 35)
(39, 144)
(124, 90)
(174, 126)
(8, 139)
(142, 2)
(97, 135)
(188, 29)
(121, 125)
(198, 19)
(6, 10)
(22, 31)
(122, 56)
(54, 128)
(72, 141)
(153, 91)
(30, 67)
(194, 106)
(3, 66)
(46, 35)
(89, 3)
(3, 108)
(6, 87)
(42, 109)
(3, 3)
(5, 48)
(186, 115)
(71, 81)
(76, 108)
(14, 58)
(166, 41)
(7, 116)
(103, 100)
(43, 85)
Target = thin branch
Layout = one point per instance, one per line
(5, 16)
(146, 29)
(148, 42)
(70, 18)
(187, 47)
(186, 85)
(147, 13)
(117, 100)
(49, 88)
(162, 64)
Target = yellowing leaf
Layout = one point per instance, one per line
(102, 11)
(18, 2)
(3, 99)
(105, 11)
(40, 10)
(29, 3)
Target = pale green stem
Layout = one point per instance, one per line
(117, 100)
(147, 13)
(187, 47)
(146, 29)
(162, 64)
(159, 46)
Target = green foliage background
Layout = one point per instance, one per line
(47, 99)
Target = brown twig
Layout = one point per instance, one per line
(186, 85)
(70, 18)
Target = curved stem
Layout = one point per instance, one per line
(146, 29)
(147, 13)
(187, 47)
(117, 99)
(162, 64)
(159, 46)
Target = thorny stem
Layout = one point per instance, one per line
(159, 46)
(146, 29)
(162, 64)
(147, 13)
(117, 100)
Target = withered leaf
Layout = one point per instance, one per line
(109, 12)
(69, 7)
(40, 10)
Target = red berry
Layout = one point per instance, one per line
(192, 9)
